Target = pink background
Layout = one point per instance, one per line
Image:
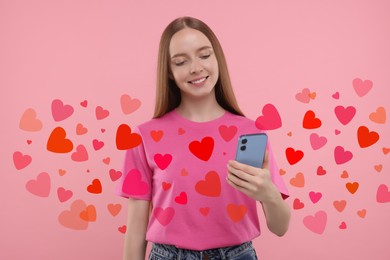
(100, 50)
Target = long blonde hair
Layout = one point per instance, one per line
(168, 95)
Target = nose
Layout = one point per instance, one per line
(196, 67)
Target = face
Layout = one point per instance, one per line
(193, 64)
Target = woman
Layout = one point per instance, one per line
(186, 193)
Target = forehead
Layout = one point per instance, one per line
(188, 40)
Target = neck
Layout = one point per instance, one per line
(200, 110)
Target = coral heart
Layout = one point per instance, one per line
(63, 194)
(125, 139)
(378, 167)
(29, 121)
(211, 186)
(97, 145)
(101, 113)
(129, 105)
(57, 142)
(342, 156)
(115, 175)
(297, 204)
(88, 214)
(362, 213)
(366, 137)
(182, 198)
(203, 149)
(166, 186)
(315, 196)
(345, 114)
(383, 194)
(204, 211)
(162, 161)
(40, 186)
(227, 132)
(344, 175)
(362, 87)
(21, 161)
(61, 172)
(298, 180)
(236, 212)
(60, 111)
(164, 216)
(303, 96)
(352, 187)
(317, 141)
(156, 135)
(293, 156)
(80, 129)
(339, 205)
(379, 116)
(270, 119)
(181, 131)
(114, 209)
(80, 155)
(310, 121)
(106, 160)
(95, 187)
(385, 150)
(316, 223)
(134, 185)
(321, 171)
(71, 218)
(184, 172)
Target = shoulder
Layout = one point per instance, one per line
(155, 123)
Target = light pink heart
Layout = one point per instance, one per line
(345, 114)
(80, 155)
(317, 141)
(134, 185)
(63, 194)
(129, 105)
(164, 216)
(316, 223)
(21, 161)
(162, 161)
(40, 186)
(342, 156)
(60, 111)
(383, 194)
(362, 87)
(29, 121)
(303, 96)
(315, 196)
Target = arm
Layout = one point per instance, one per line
(137, 222)
(257, 184)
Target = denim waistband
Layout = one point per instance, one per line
(172, 252)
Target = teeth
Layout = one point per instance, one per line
(199, 80)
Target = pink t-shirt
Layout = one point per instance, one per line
(181, 166)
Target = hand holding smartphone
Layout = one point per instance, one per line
(251, 149)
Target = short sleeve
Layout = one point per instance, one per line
(275, 175)
(136, 180)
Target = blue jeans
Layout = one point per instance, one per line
(167, 252)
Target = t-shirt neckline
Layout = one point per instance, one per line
(176, 115)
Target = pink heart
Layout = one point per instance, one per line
(315, 196)
(115, 175)
(63, 194)
(84, 103)
(342, 156)
(227, 132)
(182, 198)
(164, 216)
(40, 186)
(270, 119)
(101, 113)
(383, 194)
(80, 129)
(345, 114)
(316, 223)
(129, 105)
(80, 154)
(321, 171)
(21, 161)
(317, 141)
(337, 132)
(134, 185)
(71, 218)
(97, 145)
(162, 161)
(60, 111)
(303, 96)
(361, 87)
(336, 95)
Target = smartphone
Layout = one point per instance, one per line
(251, 149)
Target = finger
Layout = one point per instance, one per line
(266, 160)
(238, 181)
(235, 186)
(239, 173)
(250, 170)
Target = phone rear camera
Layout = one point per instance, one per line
(242, 148)
(244, 141)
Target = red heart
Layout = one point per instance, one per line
(366, 138)
(310, 121)
(293, 156)
(298, 204)
(125, 139)
(166, 186)
(182, 198)
(162, 161)
(57, 143)
(321, 171)
(202, 149)
(270, 119)
(95, 187)
(227, 132)
(352, 187)
(122, 229)
(211, 186)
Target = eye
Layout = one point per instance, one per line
(179, 62)
(205, 56)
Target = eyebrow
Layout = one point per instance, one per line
(198, 50)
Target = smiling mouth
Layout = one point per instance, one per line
(198, 81)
